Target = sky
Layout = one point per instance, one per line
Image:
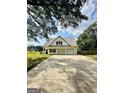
(89, 9)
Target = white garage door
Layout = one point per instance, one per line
(69, 51)
(61, 51)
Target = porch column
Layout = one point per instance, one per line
(56, 51)
(65, 50)
(48, 51)
(43, 50)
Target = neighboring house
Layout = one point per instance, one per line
(60, 45)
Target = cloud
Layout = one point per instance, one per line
(89, 10)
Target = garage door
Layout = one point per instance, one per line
(60, 51)
(69, 51)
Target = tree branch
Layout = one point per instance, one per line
(51, 4)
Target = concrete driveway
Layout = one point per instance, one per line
(64, 74)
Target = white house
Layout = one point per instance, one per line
(60, 45)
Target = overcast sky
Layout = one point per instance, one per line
(89, 10)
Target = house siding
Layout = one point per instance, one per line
(59, 39)
(63, 50)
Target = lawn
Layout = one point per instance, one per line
(34, 58)
(92, 56)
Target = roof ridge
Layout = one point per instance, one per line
(62, 37)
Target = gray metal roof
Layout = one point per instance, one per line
(70, 40)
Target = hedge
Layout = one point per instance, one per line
(87, 52)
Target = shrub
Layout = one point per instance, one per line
(89, 52)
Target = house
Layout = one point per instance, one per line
(60, 45)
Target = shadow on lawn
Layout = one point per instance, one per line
(33, 62)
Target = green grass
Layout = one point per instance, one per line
(34, 58)
(92, 56)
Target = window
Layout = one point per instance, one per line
(58, 42)
(53, 50)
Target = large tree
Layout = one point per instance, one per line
(35, 48)
(88, 39)
(44, 15)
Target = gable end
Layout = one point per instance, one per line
(61, 38)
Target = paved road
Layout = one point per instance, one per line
(64, 74)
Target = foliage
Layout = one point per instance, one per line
(89, 52)
(34, 58)
(35, 48)
(87, 41)
(44, 16)
(92, 56)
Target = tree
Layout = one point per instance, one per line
(44, 15)
(88, 39)
(35, 48)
